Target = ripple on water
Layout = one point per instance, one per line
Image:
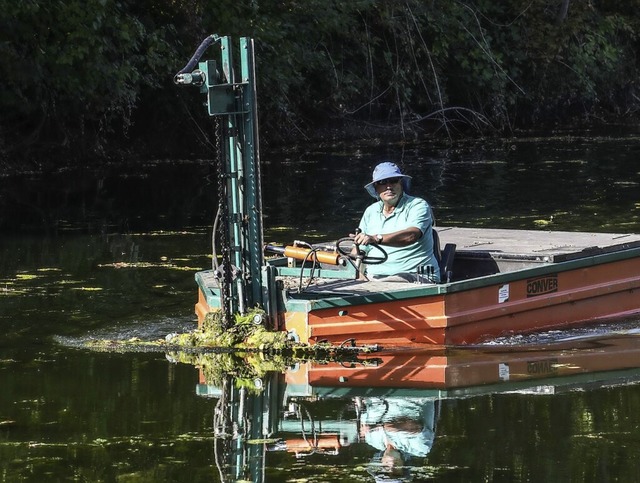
(616, 327)
(142, 330)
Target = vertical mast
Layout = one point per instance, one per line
(255, 238)
(234, 104)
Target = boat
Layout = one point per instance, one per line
(494, 282)
(500, 282)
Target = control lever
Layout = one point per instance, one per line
(359, 256)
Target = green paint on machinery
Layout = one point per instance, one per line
(244, 280)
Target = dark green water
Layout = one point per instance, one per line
(111, 254)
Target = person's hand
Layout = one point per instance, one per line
(363, 239)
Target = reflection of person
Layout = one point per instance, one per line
(399, 428)
(400, 223)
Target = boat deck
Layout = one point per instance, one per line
(551, 246)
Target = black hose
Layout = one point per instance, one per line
(204, 45)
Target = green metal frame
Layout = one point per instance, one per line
(283, 269)
(235, 103)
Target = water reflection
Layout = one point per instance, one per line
(108, 254)
(398, 428)
(381, 412)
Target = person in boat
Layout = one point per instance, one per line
(400, 224)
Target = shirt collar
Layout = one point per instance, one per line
(399, 207)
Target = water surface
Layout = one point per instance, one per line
(111, 253)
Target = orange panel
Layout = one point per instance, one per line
(446, 368)
(297, 321)
(416, 316)
(552, 301)
(563, 313)
(572, 286)
(326, 442)
(202, 308)
(414, 370)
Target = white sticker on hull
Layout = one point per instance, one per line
(503, 371)
(503, 294)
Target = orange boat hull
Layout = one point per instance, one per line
(465, 317)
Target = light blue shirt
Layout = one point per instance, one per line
(380, 411)
(409, 212)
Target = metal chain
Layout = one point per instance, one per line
(223, 230)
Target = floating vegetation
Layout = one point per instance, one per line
(543, 223)
(132, 344)
(167, 233)
(30, 283)
(147, 265)
(248, 370)
(245, 333)
(66, 282)
(10, 291)
(26, 276)
(280, 228)
(251, 370)
(247, 350)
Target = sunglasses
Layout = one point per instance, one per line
(387, 181)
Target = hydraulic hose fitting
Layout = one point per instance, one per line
(196, 78)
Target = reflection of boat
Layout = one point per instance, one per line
(454, 372)
(399, 395)
(496, 281)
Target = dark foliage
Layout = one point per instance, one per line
(94, 77)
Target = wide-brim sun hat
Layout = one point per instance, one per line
(385, 170)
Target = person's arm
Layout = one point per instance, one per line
(419, 220)
(399, 238)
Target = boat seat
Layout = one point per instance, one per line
(444, 257)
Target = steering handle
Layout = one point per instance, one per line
(360, 255)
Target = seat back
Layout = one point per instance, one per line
(437, 251)
(444, 257)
